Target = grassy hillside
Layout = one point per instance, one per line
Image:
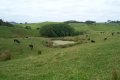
(38, 25)
(97, 27)
(86, 61)
(8, 32)
(81, 26)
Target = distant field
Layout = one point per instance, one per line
(97, 27)
(85, 61)
(38, 25)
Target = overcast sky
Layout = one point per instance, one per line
(59, 10)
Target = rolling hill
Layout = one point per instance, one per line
(85, 61)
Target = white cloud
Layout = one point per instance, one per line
(59, 10)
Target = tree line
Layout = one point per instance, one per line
(74, 21)
(2, 23)
(110, 21)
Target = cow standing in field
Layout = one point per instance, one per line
(105, 39)
(88, 39)
(86, 35)
(118, 32)
(102, 32)
(113, 33)
(31, 46)
(16, 41)
(92, 41)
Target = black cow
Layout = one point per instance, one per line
(105, 39)
(113, 33)
(86, 35)
(92, 41)
(16, 41)
(31, 46)
(39, 52)
(118, 32)
(88, 39)
(102, 32)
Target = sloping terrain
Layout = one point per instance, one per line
(87, 61)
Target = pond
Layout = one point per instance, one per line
(61, 42)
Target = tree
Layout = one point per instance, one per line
(26, 23)
(109, 21)
(8, 24)
(5, 23)
(1, 21)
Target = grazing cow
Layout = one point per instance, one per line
(112, 33)
(31, 46)
(16, 41)
(39, 52)
(102, 32)
(118, 32)
(88, 39)
(92, 41)
(86, 35)
(105, 39)
(37, 28)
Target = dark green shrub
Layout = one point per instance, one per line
(37, 28)
(39, 52)
(57, 30)
(27, 27)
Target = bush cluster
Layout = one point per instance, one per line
(27, 27)
(57, 30)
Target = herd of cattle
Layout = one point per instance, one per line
(92, 41)
(7, 56)
(112, 34)
(18, 42)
